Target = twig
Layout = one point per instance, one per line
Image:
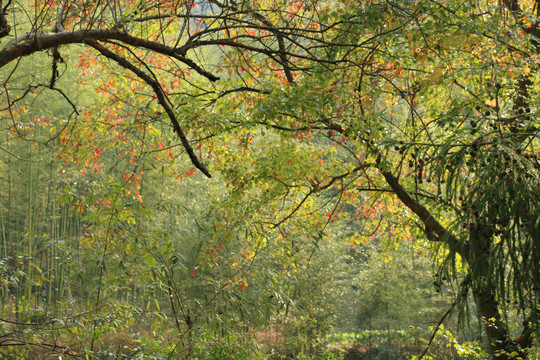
(435, 331)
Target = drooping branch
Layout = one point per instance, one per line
(161, 97)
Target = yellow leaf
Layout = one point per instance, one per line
(492, 102)
(436, 73)
(526, 69)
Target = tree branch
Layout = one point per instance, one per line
(161, 97)
(4, 25)
(30, 43)
(432, 225)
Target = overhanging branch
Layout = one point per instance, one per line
(30, 43)
(161, 97)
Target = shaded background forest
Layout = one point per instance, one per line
(113, 248)
(112, 252)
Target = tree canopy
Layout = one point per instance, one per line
(416, 119)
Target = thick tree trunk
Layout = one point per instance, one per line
(501, 345)
(476, 255)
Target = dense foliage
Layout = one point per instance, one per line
(202, 178)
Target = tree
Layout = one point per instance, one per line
(428, 113)
(430, 105)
